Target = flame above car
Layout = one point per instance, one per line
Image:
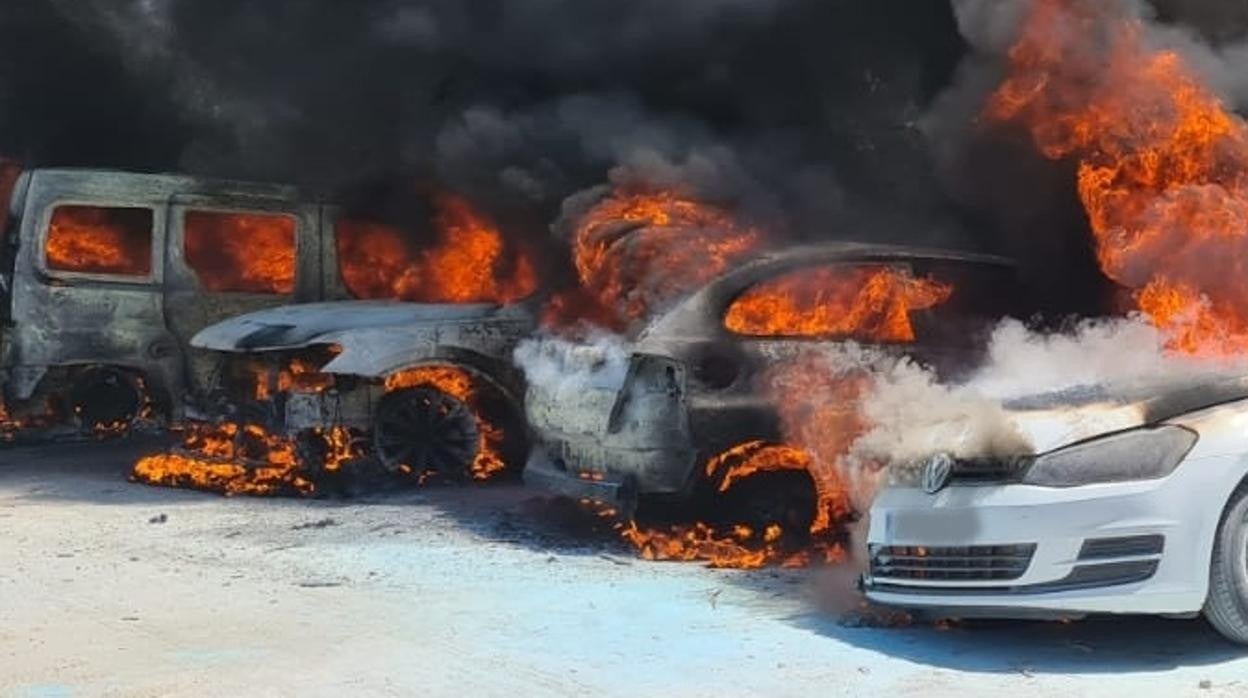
(1162, 163)
(471, 260)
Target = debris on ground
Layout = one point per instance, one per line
(319, 523)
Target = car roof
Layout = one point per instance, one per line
(858, 250)
(160, 184)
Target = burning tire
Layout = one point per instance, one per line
(423, 430)
(1227, 604)
(784, 497)
(105, 399)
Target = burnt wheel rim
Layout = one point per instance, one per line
(105, 398)
(426, 430)
(787, 498)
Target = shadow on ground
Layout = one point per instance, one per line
(505, 512)
(1095, 645)
(1101, 645)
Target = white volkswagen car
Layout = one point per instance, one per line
(1149, 517)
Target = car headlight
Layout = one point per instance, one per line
(1138, 454)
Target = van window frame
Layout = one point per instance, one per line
(155, 273)
(179, 209)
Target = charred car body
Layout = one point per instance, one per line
(108, 275)
(688, 390)
(1146, 514)
(421, 388)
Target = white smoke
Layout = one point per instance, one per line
(1116, 351)
(557, 366)
(912, 415)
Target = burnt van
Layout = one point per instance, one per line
(107, 275)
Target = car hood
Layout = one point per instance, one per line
(1056, 418)
(297, 326)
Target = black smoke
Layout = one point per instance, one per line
(1026, 204)
(815, 117)
(801, 112)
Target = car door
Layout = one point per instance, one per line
(87, 285)
(773, 317)
(229, 256)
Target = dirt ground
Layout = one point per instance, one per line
(109, 588)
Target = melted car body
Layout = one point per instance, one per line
(689, 388)
(364, 367)
(108, 275)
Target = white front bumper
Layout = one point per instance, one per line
(1184, 508)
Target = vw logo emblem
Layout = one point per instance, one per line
(936, 473)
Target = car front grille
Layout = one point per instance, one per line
(971, 471)
(955, 563)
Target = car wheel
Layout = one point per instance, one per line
(1227, 604)
(105, 398)
(425, 430)
(784, 497)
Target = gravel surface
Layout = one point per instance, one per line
(117, 589)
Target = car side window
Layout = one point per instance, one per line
(90, 239)
(863, 302)
(373, 260)
(241, 252)
(981, 295)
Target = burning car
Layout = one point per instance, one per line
(107, 275)
(1150, 516)
(305, 391)
(678, 415)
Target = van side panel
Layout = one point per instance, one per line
(62, 318)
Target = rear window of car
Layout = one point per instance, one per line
(863, 302)
(241, 252)
(100, 240)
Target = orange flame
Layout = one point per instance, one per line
(470, 263)
(462, 386)
(635, 252)
(301, 373)
(99, 240)
(11, 425)
(819, 406)
(233, 459)
(741, 547)
(215, 458)
(868, 303)
(241, 252)
(1162, 163)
